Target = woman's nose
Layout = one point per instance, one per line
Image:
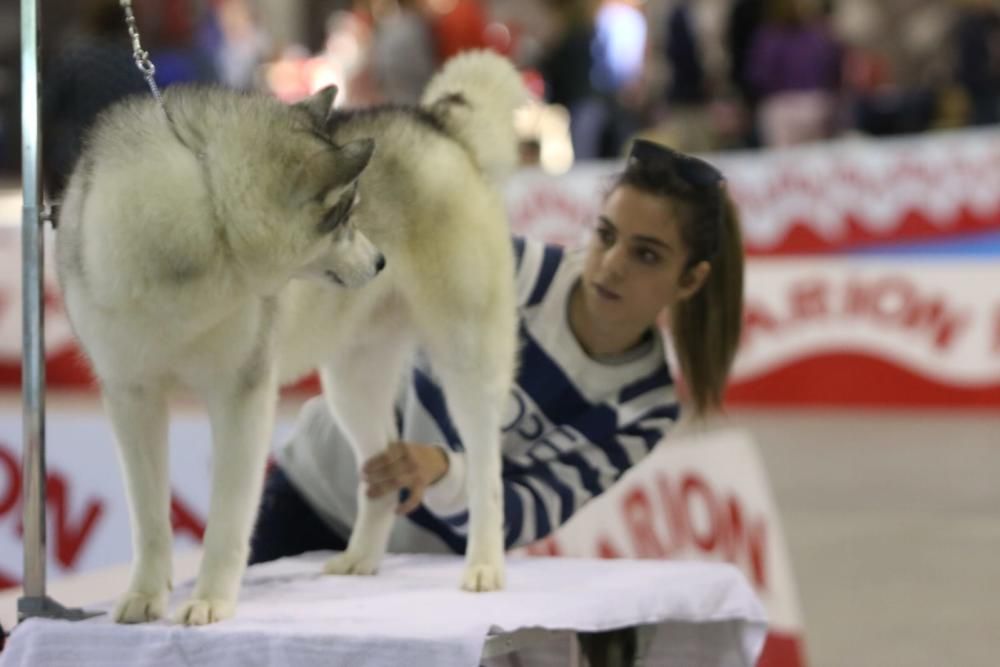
(615, 262)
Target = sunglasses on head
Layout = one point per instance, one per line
(693, 171)
(655, 158)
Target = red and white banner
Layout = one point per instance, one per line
(870, 332)
(86, 508)
(703, 497)
(820, 198)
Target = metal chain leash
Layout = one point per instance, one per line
(141, 57)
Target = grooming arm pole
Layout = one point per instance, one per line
(32, 363)
(34, 601)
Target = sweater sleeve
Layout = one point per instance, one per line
(565, 471)
(535, 265)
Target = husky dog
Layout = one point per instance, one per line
(217, 255)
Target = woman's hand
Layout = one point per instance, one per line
(404, 465)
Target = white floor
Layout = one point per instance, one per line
(893, 522)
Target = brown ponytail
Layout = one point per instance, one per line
(706, 327)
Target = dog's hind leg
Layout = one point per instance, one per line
(469, 328)
(360, 386)
(476, 385)
(242, 415)
(138, 413)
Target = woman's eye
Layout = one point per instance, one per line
(647, 256)
(606, 236)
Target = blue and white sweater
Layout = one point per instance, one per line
(572, 427)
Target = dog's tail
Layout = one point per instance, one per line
(474, 96)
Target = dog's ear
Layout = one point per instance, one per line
(352, 158)
(319, 105)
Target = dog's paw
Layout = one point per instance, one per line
(483, 577)
(197, 611)
(140, 607)
(350, 563)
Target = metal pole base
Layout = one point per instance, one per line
(497, 645)
(46, 607)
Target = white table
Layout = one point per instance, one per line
(413, 613)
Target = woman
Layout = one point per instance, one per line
(594, 393)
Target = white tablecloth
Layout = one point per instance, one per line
(413, 613)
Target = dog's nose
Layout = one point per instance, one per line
(379, 263)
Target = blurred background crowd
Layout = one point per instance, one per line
(702, 75)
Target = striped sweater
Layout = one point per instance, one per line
(572, 426)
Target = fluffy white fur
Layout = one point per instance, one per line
(193, 260)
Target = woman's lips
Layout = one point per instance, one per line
(605, 293)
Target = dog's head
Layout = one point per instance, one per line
(328, 186)
(324, 192)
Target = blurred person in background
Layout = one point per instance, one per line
(457, 25)
(232, 33)
(403, 54)
(10, 159)
(565, 65)
(744, 20)
(894, 79)
(169, 34)
(593, 67)
(87, 74)
(347, 57)
(686, 125)
(619, 49)
(977, 67)
(795, 64)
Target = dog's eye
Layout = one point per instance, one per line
(340, 212)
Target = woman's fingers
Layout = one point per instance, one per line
(391, 484)
(394, 469)
(393, 463)
(390, 471)
(395, 456)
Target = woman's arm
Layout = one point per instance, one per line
(538, 496)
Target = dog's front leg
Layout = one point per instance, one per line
(359, 388)
(138, 413)
(242, 416)
(475, 362)
(474, 403)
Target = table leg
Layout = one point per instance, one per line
(614, 648)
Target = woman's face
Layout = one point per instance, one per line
(635, 261)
